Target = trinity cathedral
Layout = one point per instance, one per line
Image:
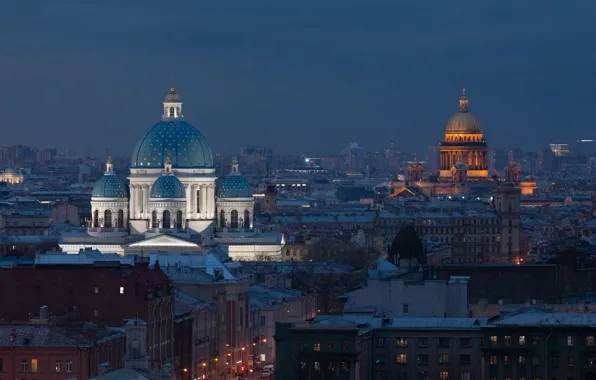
(172, 197)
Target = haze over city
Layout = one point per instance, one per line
(304, 76)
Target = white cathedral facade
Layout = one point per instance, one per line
(172, 190)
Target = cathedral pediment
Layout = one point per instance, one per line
(164, 241)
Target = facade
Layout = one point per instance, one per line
(18, 224)
(107, 294)
(428, 348)
(12, 177)
(308, 351)
(464, 145)
(540, 345)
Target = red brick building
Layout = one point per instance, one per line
(44, 352)
(103, 293)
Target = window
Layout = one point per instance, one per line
(380, 342)
(423, 359)
(422, 342)
(96, 290)
(522, 340)
(69, 366)
(33, 365)
(401, 359)
(166, 221)
(263, 320)
(591, 361)
(506, 360)
(444, 342)
(107, 219)
(96, 313)
(330, 346)
(1, 365)
(535, 378)
(493, 340)
(122, 290)
(246, 219)
(317, 347)
(466, 376)
(465, 342)
(521, 360)
(402, 342)
(507, 340)
(536, 360)
(405, 308)
(521, 378)
(569, 340)
(590, 340)
(23, 365)
(465, 360)
(535, 340)
(234, 219)
(444, 359)
(59, 366)
(444, 375)
(570, 361)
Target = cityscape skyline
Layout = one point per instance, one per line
(368, 73)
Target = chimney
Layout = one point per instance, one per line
(43, 312)
(13, 334)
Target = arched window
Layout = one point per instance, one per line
(179, 219)
(246, 219)
(171, 111)
(154, 219)
(222, 219)
(96, 218)
(234, 219)
(166, 220)
(120, 221)
(107, 219)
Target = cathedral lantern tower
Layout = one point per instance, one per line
(464, 143)
(172, 106)
(415, 170)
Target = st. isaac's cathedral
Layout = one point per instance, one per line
(172, 198)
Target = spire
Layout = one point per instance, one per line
(235, 164)
(463, 101)
(172, 105)
(168, 165)
(110, 166)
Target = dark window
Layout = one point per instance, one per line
(246, 219)
(465, 360)
(120, 221)
(263, 320)
(179, 219)
(444, 342)
(154, 219)
(423, 359)
(71, 290)
(107, 219)
(166, 222)
(465, 342)
(234, 219)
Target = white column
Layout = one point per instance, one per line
(188, 200)
(211, 201)
(137, 201)
(203, 202)
(131, 202)
(193, 200)
(145, 201)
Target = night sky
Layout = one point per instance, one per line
(303, 76)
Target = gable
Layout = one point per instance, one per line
(163, 241)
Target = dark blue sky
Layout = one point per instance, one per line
(302, 76)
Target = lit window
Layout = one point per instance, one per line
(521, 360)
(402, 342)
(590, 340)
(507, 340)
(69, 366)
(401, 359)
(493, 340)
(444, 359)
(493, 360)
(317, 347)
(96, 290)
(506, 360)
(330, 346)
(122, 290)
(444, 375)
(59, 366)
(569, 340)
(522, 340)
(422, 359)
(23, 365)
(33, 365)
(96, 313)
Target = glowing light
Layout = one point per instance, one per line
(185, 369)
(265, 340)
(204, 364)
(242, 348)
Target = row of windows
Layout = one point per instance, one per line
(443, 375)
(521, 340)
(430, 222)
(422, 359)
(523, 360)
(421, 342)
(330, 347)
(33, 365)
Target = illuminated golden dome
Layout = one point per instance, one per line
(463, 122)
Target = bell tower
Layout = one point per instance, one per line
(172, 106)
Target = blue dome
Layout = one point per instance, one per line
(185, 145)
(234, 186)
(109, 186)
(167, 186)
